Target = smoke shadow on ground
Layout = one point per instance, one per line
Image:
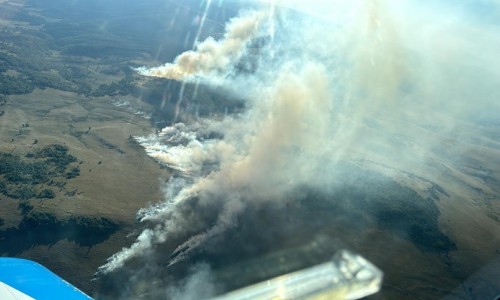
(310, 215)
(43, 228)
(174, 101)
(306, 228)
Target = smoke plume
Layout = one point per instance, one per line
(213, 56)
(388, 86)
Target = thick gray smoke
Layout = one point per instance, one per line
(198, 285)
(391, 86)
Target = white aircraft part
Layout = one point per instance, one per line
(9, 293)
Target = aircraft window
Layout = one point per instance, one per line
(168, 149)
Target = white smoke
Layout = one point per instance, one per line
(381, 81)
(213, 56)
